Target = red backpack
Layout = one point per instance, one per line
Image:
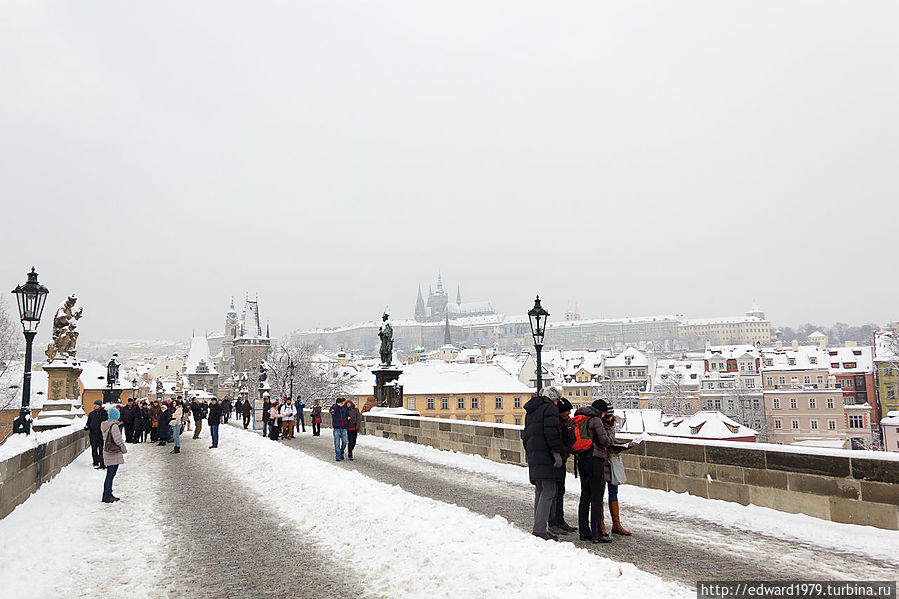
(577, 435)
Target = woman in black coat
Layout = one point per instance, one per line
(165, 416)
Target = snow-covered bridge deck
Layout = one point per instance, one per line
(259, 518)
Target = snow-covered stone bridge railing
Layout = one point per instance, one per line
(856, 487)
(28, 461)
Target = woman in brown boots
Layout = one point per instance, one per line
(608, 421)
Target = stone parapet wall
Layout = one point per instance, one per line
(838, 487)
(23, 474)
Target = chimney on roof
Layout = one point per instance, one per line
(779, 345)
(795, 345)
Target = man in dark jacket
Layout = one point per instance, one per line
(266, 408)
(196, 408)
(246, 409)
(590, 467)
(97, 415)
(226, 410)
(214, 418)
(543, 449)
(127, 418)
(165, 417)
(339, 422)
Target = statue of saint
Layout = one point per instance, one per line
(385, 333)
(112, 370)
(65, 333)
(263, 375)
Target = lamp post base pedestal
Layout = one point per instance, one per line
(22, 424)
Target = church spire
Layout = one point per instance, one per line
(419, 306)
(458, 295)
(439, 283)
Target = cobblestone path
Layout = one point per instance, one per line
(680, 549)
(224, 544)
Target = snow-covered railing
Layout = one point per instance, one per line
(28, 461)
(856, 487)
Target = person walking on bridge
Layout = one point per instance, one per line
(94, 420)
(215, 419)
(354, 423)
(543, 450)
(300, 407)
(339, 421)
(316, 419)
(114, 450)
(246, 411)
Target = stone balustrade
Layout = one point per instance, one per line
(842, 486)
(23, 474)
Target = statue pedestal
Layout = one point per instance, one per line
(388, 391)
(62, 405)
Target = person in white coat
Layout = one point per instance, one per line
(287, 415)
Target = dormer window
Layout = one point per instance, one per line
(792, 361)
(813, 360)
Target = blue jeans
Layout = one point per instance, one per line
(613, 492)
(340, 441)
(265, 428)
(214, 431)
(176, 434)
(107, 485)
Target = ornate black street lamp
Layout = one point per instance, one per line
(31, 298)
(134, 389)
(537, 315)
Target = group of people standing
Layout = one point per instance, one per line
(547, 448)
(160, 421)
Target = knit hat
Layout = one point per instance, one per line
(600, 405)
(564, 405)
(553, 393)
(113, 414)
(97, 402)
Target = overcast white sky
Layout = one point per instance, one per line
(633, 157)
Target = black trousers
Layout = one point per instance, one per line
(589, 510)
(351, 442)
(316, 428)
(96, 448)
(129, 432)
(557, 511)
(246, 420)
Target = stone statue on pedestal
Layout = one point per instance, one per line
(385, 333)
(65, 335)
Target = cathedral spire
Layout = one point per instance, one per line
(419, 306)
(439, 283)
(458, 295)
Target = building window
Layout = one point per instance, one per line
(820, 380)
(856, 421)
(444, 403)
(792, 403)
(460, 403)
(517, 402)
(474, 403)
(577, 392)
(811, 403)
(829, 403)
(807, 380)
(795, 425)
(430, 403)
(891, 392)
(831, 425)
(499, 419)
(730, 404)
(814, 424)
(411, 403)
(499, 403)
(770, 380)
(776, 403)
(517, 421)
(777, 424)
(780, 380)
(756, 405)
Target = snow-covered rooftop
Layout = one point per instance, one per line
(199, 352)
(706, 424)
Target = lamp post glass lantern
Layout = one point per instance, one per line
(290, 369)
(538, 316)
(30, 297)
